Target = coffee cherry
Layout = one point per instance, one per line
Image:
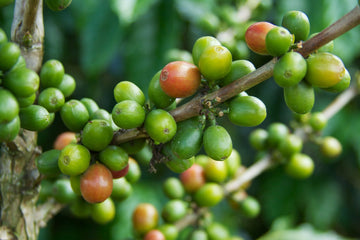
(255, 37)
(217, 231)
(103, 212)
(299, 166)
(51, 73)
(249, 207)
(74, 115)
(144, 218)
(160, 125)
(215, 63)
(80, 208)
(175, 54)
(297, 23)
(173, 188)
(64, 139)
(134, 146)
(330, 147)
(277, 132)
(9, 130)
(113, 157)
(96, 183)
(175, 164)
(122, 189)
(169, 230)
(174, 210)
(90, 105)
(342, 85)
(201, 44)
(58, 5)
(34, 118)
(134, 172)
(47, 163)
(121, 173)
(52, 99)
(198, 234)
(101, 114)
(75, 184)
(290, 145)
(278, 41)
(247, 111)
(154, 234)
(193, 178)
(318, 121)
(328, 47)
(9, 54)
(300, 98)
(216, 171)
(210, 194)
(97, 135)
(258, 139)
(324, 69)
(157, 94)
(9, 107)
(22, 82)
(3, 37)
(74, 159)
(126, 90)
(239, 68)
(62, 191)
(67, 85)
(217, 142)
(233, 162)
(26, 101)
(180, 79)
(128, 114)
(290, 69)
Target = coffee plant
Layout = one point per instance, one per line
(191, 151)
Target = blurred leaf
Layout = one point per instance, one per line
(194, 9)
(129, 11)
(302, 232)
(100, 40)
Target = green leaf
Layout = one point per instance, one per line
(194, 9)
(302, 232)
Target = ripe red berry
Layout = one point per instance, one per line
(255, 37)
(180, 79)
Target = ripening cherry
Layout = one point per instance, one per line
(255, 37)
(180, 79)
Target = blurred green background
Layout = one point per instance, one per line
(103, 42)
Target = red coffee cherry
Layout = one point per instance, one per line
(255, 37)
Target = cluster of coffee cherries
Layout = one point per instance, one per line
(296, 75)
(29, 100)
(193, 193)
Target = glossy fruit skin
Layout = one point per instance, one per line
(26, 101)
(249, 207)
(215, 171)
(278, 41)
(300, 98)
(128, 114)
(134, 172)
(74, 159)
(215, 63)
(169, 230)
(255, 37)
(74, 115)
(258, 139)
(290, 145)
(97, 135)
(51, 73)
(324, 69)
(217, 231)
(3, 36)
(9, 130)
(174, 210)
(144, 218)
(342, 85)
(47, 163)
(187, 141)
(80, 208)
(318, 121)
(113, 157)
(160, 125)
(134, 146)
(198, 234)
(248, 111)
(22, 82)
(154, 234)
(121, 173)
(175, 54)
(103, 212)
(209, 195)
(9, 107)
(75, 184)
(126, 90)
(277, 132)
(122, 189)
(297, 23)
(157, 95)
(330, 147)
(90, 105)
(58, 5)
(9, 54)
(34, 118)
(300, 166)
(200, 45)
(233, 162)
(173, 188)
(64, 139)
(175, 164)
(96, 183)
(62, 191)
(290, 69)
(180, 79)
(217, 142)
(67, 85)
(239, 68)
(52, 99)
(193, 178)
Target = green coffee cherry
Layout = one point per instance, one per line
(97, 135)
(122, 189)
(258, 139)
(217, 231)
(126, 90)
(47, 163)
(62, 191)
(52, 99)
(216, 171)
(90, 105)
(300, 98)
(210, 194)
(330, 147)
(51, 73)
(290, 69)
(9, 130)
(173, 188)
(278, 41)
(200, 45)
(9, 54)
(114, 157)
(318, 121)
(74, 115)
(299, 166)
(297, 23)
(9, 107)
(290, 145)
(67, 85)
(249, 207)
(174, 210)
(217, 142)
(35, 118)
